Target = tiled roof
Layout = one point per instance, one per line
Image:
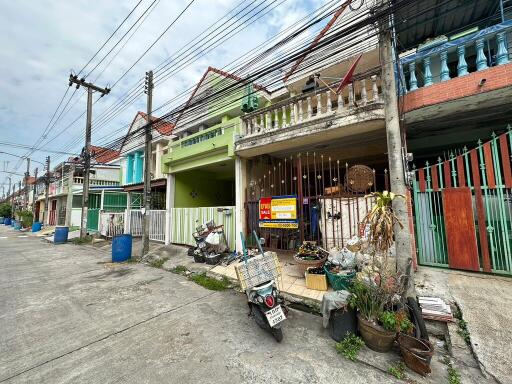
(321, 34)
(103, 155)
(163, 127)
(224, 74)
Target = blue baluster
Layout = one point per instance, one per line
(445, 72)
(403, 84)
(129, 169)
(481, 60)
(462, 67)
(413, 83)
(428, 72)
(502, 55)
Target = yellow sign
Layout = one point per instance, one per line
(278, 224)
(283, 209)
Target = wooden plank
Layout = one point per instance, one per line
(505, 159)
(435, 178)
(460, 171)
(480, 209)
(421, 179)
(447, 175)
(460, 229)
(489, 166)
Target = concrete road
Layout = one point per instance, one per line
(69, 316)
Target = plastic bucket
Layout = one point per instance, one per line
(121, 248)
(61, 235)
(341, 322)
(36, 226)
(7, 221)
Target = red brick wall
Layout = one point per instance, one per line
(456, 88)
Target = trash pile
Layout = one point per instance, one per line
(310, 255)
(210, 243)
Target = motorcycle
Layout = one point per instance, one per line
(264, 302)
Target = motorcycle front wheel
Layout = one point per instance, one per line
(277, 333)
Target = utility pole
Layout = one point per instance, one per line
(69, 199)
(73, 79)
(46, 218)
(27, 175)
(8, 189)
(395, 156)
(34, 196)
(19, 195)
(147, 165)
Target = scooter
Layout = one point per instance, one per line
(264, 303)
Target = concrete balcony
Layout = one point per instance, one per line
(201, 148)
(77, 180)
(313, 118)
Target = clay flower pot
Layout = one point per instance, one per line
(374, 336)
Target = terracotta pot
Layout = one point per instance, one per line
(374, 336)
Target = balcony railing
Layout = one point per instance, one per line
(213, 138)
(310, 107)
(95, 182)
(432, 63)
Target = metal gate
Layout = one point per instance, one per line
(463, 209)
(93, 216)
(331, 197)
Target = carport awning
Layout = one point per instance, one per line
(140, 186)
(426, 19)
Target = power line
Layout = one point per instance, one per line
(108, 39)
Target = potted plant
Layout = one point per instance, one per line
(371, 301)
(377, 289)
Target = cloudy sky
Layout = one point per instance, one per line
(42, 41)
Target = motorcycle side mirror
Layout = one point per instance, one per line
(262, 241)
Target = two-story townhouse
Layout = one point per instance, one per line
(66, 187)
(456, 104)
(132, 160)
(307, 160)
(200, 164)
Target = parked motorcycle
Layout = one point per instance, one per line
(264, 302)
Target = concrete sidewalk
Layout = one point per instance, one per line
(486, 305)
(70, 316)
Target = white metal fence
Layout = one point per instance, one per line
(135, 222)
(157, 225)
(112, 223)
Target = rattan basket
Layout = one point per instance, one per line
(258, 270)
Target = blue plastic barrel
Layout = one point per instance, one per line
(17, 225)
(13, 222)
(121, 248)
(7, 221)
(36, 226)
(2, 220)
(61, 235)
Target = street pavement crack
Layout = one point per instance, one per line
(108, 336)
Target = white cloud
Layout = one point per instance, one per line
(43, 40)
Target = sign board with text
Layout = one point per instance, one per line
(278, 212)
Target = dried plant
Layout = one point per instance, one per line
(381, 220)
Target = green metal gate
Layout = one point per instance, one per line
(93, 216)
(485, 171)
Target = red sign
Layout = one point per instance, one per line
(265, 208)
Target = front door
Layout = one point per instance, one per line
(460, 229)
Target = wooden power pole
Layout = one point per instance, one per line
(86, 154)
(147, 165)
